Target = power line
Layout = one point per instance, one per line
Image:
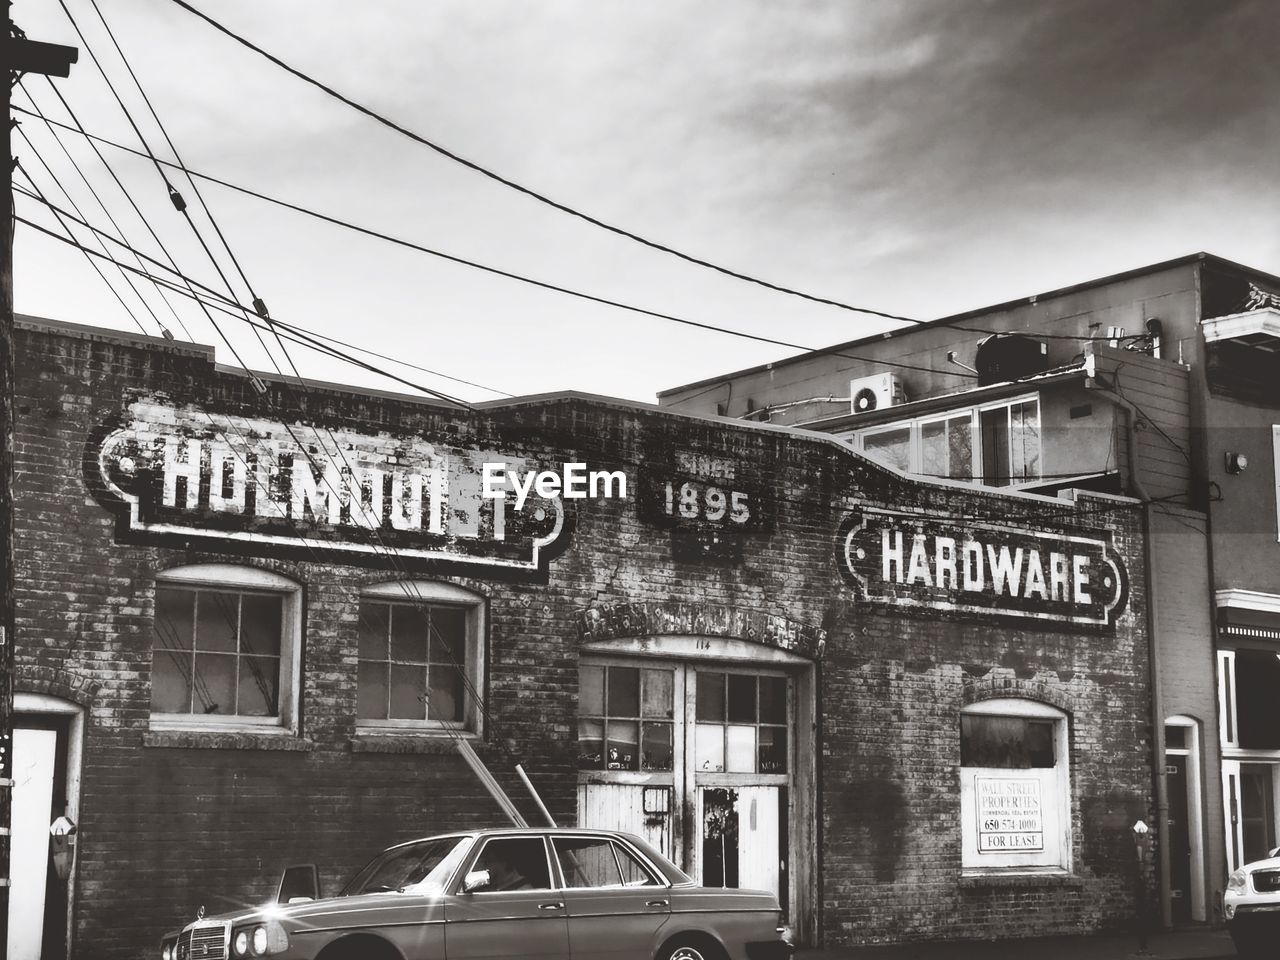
(222, 303)
(260, 308)
(542, 284)
(85, 250)
(96, 196)
(238, 312)
(79, 128)
(997, 515)
(146, 146)
(258, 305)
(541, 198)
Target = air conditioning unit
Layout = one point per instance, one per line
(874, 393)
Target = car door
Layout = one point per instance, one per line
(616, 904)
(518, 913)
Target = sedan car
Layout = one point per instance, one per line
(512, 893)
(1251, 904)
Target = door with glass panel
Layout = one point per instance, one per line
(738, 772)
(695, 759)
(630, 748)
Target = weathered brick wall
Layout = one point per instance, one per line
(172, 821)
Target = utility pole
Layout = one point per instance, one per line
(20, 56)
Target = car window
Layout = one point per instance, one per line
(633, 873)
(514, 863)
(587, 862)
(599, 862)
(670, 871)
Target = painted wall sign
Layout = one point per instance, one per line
(684, 502)
(186, 475)
(1010, 814)
(706, 515)
(982, 568)
(702, 620)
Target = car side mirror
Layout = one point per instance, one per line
(475, 880)
(299, 882)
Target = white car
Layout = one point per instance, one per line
(1251, 905)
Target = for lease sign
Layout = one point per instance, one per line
(1010, 814)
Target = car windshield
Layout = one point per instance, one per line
(421, 867)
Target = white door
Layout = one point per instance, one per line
(642, 809)
(696, 758)
(34, 758)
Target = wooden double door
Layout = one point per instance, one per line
(698, 758)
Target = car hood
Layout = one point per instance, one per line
(297, 914)
(1271, 863)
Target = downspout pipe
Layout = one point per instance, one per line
(1161, 785)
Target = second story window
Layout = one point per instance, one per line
(225, 649)
(997, 444)
(419, 662)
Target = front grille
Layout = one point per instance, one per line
(1266, 881)
(203, 941)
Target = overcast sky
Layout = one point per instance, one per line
(920, 157)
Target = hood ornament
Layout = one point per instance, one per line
(200, 912)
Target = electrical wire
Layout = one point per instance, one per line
(259, 305)
(181, 207)
(79, 128)
(235, 311)
(127, 309)
(564, 208)
(174, 196)
(542, 284)
(535, 195)
(254, 298)
(223, 299)
(997, 515)
(97, 197)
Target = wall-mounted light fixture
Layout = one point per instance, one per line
(1236, 462)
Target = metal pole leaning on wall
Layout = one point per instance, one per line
(495, 789)
(542, 807)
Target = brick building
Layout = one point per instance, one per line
(1160, 384)
(254, 629)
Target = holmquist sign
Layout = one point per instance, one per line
(186, 475)
(982, 568)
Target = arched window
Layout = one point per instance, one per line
(225, 649)
(1015, 793)
(421, 659)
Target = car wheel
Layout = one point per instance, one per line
(687, 950)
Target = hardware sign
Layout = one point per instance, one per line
(982, 568)
(183, 475)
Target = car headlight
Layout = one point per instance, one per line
(259, 940)
(166, 951)
(1238, 882)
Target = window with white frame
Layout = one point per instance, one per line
(1275, 457)
(997, 444)
(1249, 698)
(420, 657)
(1015, 799)
(225, 649)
